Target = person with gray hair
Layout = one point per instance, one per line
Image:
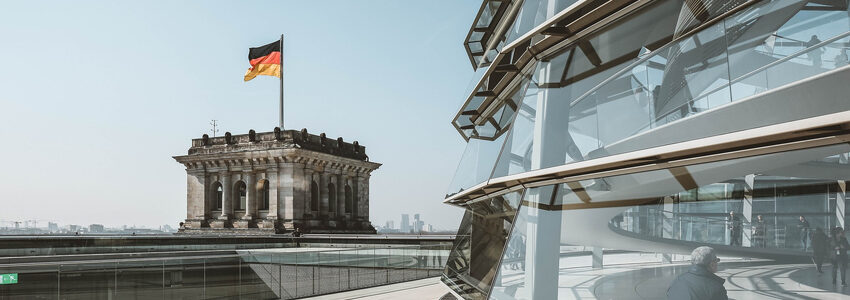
(699, 283)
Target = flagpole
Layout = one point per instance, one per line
(281, 82)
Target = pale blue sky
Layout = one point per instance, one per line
(96, 96)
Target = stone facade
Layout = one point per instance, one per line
(274, 182)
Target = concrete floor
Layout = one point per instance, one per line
(641, 276)
(745, 279)
(430, 288)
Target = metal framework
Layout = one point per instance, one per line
(795, 135)
(566, 29)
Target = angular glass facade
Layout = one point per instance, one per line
(654, 129)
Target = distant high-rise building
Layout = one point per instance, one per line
(390, 224)
(52, 227)
(417, 223)
(74, 228)
(95, 228)
(405, 223)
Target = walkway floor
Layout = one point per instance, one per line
(745, 279)
(429, 288)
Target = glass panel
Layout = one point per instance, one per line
(623, 42)
(140, 279)
(470, 87)
(184, 278)
(222, 277)
(696, 67)
(259, 276)
(694, 13)
(534, 13)
(625, 105)
(491, 221)
(517, 263)
(33, 282)
(473, 260)
(328, 273)
(487, 13)
(516, 153)
(88, 281)
(476, 164)
(366, 273)
(766, 217)
(552, 71)
(796, 42)
(306, 279)
(476, 36)
(563, 131)
(475, 47)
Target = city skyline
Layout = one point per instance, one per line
(124, 98)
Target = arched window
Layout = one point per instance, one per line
(348, 199)
(314, 196)
(218, 196)
(331, 197)
(241, 194)
(264, 194)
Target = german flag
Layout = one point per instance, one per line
(264, 60)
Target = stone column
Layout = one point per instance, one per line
(226, 196)
(297, 207)
(323, 194)
(349, 205)
(250, 196)
(363, 206)
(195, 193)
(331, 194)
(355, 196)
(747, 210)
(309, 177)
(284, 185)
(358, 199)
(840, 203)
(275, 192)
(340, 195)
(668, 225)
(208, 196)
(841, 194)
(597, 258)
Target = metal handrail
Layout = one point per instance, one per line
(747, 75)
(654, 53)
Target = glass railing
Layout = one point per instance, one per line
(763, 78)
(532, 14)
(659, 224)
(680, 80)
(283, 273)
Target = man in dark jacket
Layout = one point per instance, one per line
(699, 283)
(804, 227)
(839, 254)
(735, 226)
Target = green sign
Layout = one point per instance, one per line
(9, 278)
